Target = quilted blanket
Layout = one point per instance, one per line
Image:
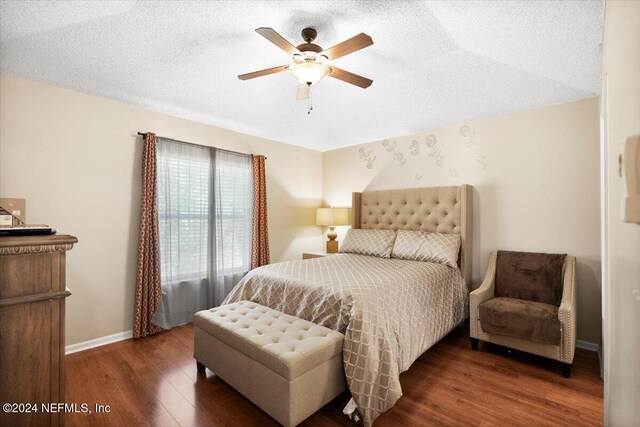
(389, 310)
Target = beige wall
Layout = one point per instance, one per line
(536, 180)
(621, 111)
(76, 159)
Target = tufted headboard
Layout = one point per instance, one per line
(435, 209)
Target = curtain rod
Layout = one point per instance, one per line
(198, 145)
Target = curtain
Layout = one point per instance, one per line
(148, 283)
(205, 211)
(260, 232)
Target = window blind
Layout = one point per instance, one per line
(205, 216)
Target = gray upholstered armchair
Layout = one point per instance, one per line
(527, 302)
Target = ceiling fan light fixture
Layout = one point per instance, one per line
(310, 62)
(309, 73)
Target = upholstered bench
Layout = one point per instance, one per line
(287, 366)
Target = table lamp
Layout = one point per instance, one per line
(332, 217)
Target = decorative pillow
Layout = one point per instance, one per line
(424, 246)
(368, 242)
(530, 276)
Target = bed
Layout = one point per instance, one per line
(390, 310)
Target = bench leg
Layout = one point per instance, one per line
(474, 344)
(566, 369)
(200, 366)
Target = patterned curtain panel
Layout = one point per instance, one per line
(205, 220)
(260, 231)
(148, 288)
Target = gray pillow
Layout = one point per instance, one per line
(425, 246)
(371, 242)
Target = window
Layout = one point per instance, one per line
(205, 218)
(234, 196)
(183, 212)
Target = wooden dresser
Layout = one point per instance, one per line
(32, 298)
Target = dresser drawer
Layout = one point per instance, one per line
(29, 274)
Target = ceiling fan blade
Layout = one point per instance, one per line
(348, 46)
(348, 77)
(275, 38)
(265, 72)
(303, 92)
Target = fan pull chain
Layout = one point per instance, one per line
(310, 101)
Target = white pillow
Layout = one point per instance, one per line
(425, 246)
(368, 242)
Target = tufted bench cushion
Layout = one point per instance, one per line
(285, 344)
(287, 366)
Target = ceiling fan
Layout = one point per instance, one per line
(310, 63)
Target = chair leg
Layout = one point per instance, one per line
(474, 344)
(200, 366)
(566, 369)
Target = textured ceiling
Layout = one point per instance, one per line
(433, 63)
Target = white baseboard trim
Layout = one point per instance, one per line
(86, 345)
(121, 336)
(590, 346)
(586, 345)
(601, 364)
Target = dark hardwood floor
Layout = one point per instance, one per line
(153, 381)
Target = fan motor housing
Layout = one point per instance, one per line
(309, 47)
(309, 34)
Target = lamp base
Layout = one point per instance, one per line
(332, 246)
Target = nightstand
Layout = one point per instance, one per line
(318, 254)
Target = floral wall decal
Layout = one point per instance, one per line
(467, 132)
(471, 147)
(390, 146)
(461, 143)
(367, 157)
(435, 151)
(431, 140)
(414, 148)
(400, 158)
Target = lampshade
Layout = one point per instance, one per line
(309, 73)
(332, 216)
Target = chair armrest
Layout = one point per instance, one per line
(567, 311)
(484, 292)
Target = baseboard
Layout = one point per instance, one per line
(121, 336)
(586, 345)
(590, 346)
(601, 364)
(86, 345)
